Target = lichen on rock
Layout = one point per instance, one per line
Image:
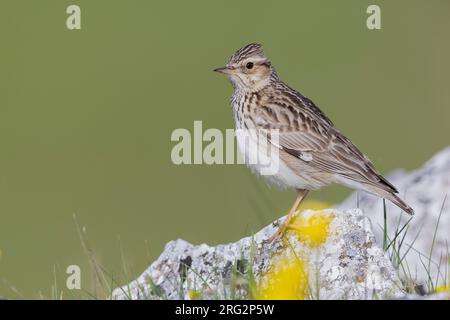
(327, 254)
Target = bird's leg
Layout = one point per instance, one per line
(282, 228)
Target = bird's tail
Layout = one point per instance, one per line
(399, 203)
(390, 195)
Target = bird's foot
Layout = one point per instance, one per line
(279, 234)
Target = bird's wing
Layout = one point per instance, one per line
(309, 136)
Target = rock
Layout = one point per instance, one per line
(434, 296)
(425, 190)
(339, 260)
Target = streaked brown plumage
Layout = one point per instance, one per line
(312, 152)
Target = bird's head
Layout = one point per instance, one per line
(248, 68)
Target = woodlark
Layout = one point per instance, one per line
(311, 152)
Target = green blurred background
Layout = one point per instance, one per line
(86, 118)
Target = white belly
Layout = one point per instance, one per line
(264, 160)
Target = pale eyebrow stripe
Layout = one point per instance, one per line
(257, 61)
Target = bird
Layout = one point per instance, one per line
(311, 153)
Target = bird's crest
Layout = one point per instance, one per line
(250, 50)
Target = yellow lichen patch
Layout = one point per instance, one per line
(442, 289)
(286, 280)
(194, 294)
(312, 227)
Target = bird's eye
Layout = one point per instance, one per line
(249, 65)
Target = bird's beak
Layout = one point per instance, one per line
(224, 70)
